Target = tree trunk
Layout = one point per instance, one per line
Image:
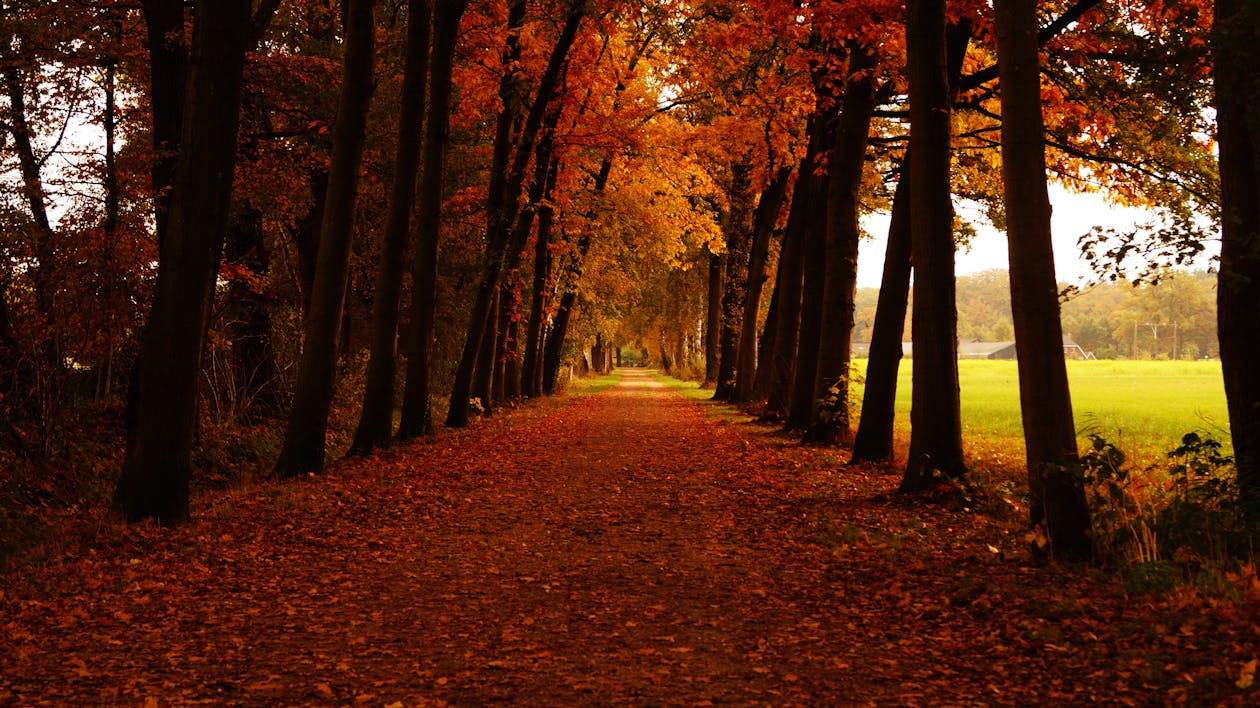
(779, 362)
(532, 366)
(500, 221)
(560, 324)
(738, 228)
(376, 420)
(155, 475)
(168, 65)
(935, 418)
(304, 442)
(1237, 49)
(830, 422)
(713, 320)
(483, 375)
(873, 441)
(809, 339)
(417, 410)
(306, 237)
(504, 346)
(768, 207)
(1057, 494)
(109, 230)
(43, 274)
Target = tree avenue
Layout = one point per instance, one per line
(311, 220)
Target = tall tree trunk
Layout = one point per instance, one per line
(738, 228)
(168, 64)
(44, 273)
(306, 237)
(1057, 494)
(377, 418)
(155, 475)
(830, 423)
(768, 206)
(109, 229)
(500, 221)
(935, 417)
(564, 312)
(483, 375)
(304, 440)
(713, 320)
(1237, 49)
(779, 362)
(809, 339)
(507, 366)
(417, 409)
(873, 441)
(531, 368)
(560, 324)
(504, 344)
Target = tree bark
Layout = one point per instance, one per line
(483, 375)
(831, 423)
(767, 213)
(809, 339)
(168, 64)
(560, 324)
(376, 420)
(935, 417)
(417, 410)
(305, 436)
(531, 380)
(46, 335)
(1057, 493)
(738, 228)
(504, 346)
(500, 221)
(155, 475)
(873, 441)
(713, 320)
(1237, 49)
(779, 362)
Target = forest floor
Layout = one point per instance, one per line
(629, 546)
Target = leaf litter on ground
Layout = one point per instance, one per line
(619, 547)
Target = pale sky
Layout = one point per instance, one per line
(1073, 215)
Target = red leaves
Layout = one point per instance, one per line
(625, 547)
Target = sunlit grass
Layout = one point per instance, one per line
(689, 389)
(580, 385)
(1143, 407)
(704, 396)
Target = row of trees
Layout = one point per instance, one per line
(1078, 90)
(446, 178)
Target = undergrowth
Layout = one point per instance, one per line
(1168, 523)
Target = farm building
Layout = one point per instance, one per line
(983, 350)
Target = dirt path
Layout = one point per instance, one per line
(622, 547)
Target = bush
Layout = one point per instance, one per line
(1184, 515)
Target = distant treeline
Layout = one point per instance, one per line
(1173, 319)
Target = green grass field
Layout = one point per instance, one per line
(1144, 407)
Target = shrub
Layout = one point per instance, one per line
(1183, 515)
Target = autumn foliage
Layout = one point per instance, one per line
(241, 239)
